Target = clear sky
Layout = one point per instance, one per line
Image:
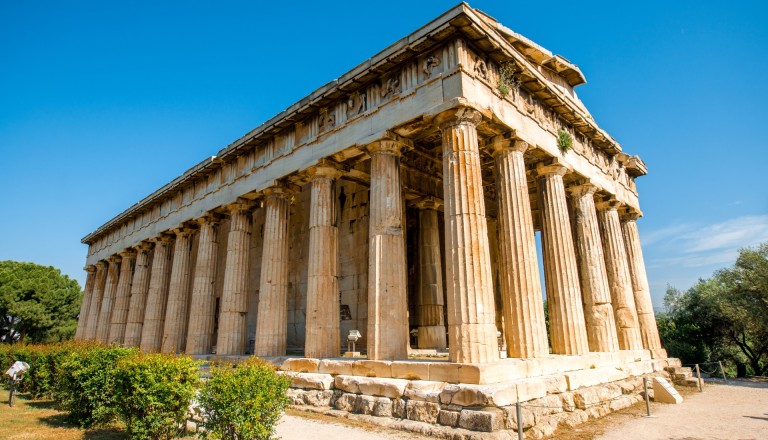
(101, 103)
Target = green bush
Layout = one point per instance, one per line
(243, 402)
(85, 386)
(153, 392)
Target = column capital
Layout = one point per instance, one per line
(507, 142)
(610, 204)
(557, 167)
(458, 116)
(128, 253)
(240, 205)
(630, 214)
(184, 230)
(391, 144)
(428, 202)
(325, 169)
(143, 246)
(164, 238)
(585, 189)
(114, 259)
(208, 217)
(278, 190)
(90, 268)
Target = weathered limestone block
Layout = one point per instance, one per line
(202, 307)
(382, 407)
(621, 403)
(387, 285)
(311, 381)
(422, 411)
(526, 332)
(295, 396)
(301, 365)
(567, 326)
(444, 372)
(566, 399)
(364, 404)
(637, 368)
(510, 417)
(555, 383)
(486, 420)
(411, 370)
(398, 408)
(586, 397)
(588, 378)
(571, 419)
(424, 390)
(479, 395)
(371, 386)
(318, 397)
(448, 418)
(335, 367)
(372, 368)
(346, 402)
(469, 284)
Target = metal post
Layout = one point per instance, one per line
(722, 370)
(698, 375)
(647, 399)
(519, 410)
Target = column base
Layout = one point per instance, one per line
(432, 336)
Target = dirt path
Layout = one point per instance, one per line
(737, 411)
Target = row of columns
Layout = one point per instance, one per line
(597, 291)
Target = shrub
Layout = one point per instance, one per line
(153, 394)
(86, 384)
(243, 402)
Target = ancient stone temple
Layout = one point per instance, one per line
(403, 200)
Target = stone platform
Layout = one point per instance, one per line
(453, 400)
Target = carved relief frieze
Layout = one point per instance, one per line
(390, 86)
(431, 63)
(357, 103)
(326, 119)
(481, 69)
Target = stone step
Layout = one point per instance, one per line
(688, 382)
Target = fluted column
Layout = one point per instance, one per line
(108, 301)
(203, 303)
(157, 295)
(234, 297)
(82, 319)
(322, 324)
(431, 293)
(387, 287)
(567, 328)
(138, 302)
(469, 284)
(95, 306)
(525, 326)
(649, 332)
(122, 297)
(622, 297)
(598, 312)
(175, 326)
(272, 318)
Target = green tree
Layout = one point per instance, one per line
(723, 317)
(37, 303)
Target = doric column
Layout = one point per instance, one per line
(234, 297)
(649, 332)
(601, 327)
(95, 305)
(82, 319)
(122, 297)
(431, 293)
(175, 327)
(157, 295)
(322, 325)
(108, 302)
(272, 318)
(469, 284)
(138, 302)
(387, 286)
(567, 329)
(525, 326)
(202, 309)
(622, 297)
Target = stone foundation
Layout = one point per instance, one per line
(451, 400)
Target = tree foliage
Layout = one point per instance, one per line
(37, 303)
(724, 317)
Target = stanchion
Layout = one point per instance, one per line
(519, 410)
(698, 376)
(647, 399)
(722, 370)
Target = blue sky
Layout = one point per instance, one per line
(102, 104)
